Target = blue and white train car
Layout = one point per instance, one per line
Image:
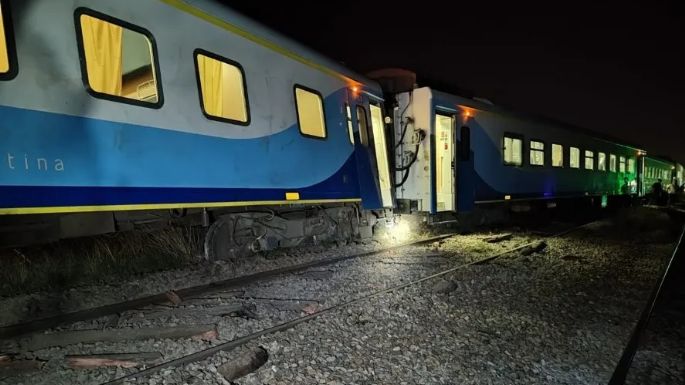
(455, 153)
(126, 105)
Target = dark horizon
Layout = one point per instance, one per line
(613, 68)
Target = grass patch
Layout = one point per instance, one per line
(99, 259)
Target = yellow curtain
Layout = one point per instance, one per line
(210, 79)
(102, 42)
(4, 60)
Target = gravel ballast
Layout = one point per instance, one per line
(560, 315)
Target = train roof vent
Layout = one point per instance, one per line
(394, 80)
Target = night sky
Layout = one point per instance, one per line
(612, 67)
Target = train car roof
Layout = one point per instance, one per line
(662, 159)
(487, 106)
(223, 16)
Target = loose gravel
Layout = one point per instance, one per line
(560, 316)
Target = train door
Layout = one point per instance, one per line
(381, 150)
(372, 154)
(444, 162)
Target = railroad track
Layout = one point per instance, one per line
(222, 286)
(20, 329)
(235, 343)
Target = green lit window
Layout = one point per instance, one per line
(557, 155)
(622, 164)
(601, 161)
(574, 157)
(589, 160)
(612, 162)
(513, 151)
(537, 153)
(631, 165)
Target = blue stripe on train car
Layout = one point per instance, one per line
(338, 186)
(49, 159)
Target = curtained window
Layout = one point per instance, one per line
(222, 86)
(612, 162)
(601, 161)
(513, 151)
(557, 155)
(118, 60)
(574, 157)
(4, 45)
(589, 160)
(537, 153)
(310, 114)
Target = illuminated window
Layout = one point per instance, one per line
(557, 155)
(222, 88)
(310, 113)
(631, 165)
(350, 132)
(8, 60)
(119, 60)
(589, 160)
(601, 161)
(363, 126)
(622, 164)
(537, 153)
(513, 151)
(4, 51)
(612, 162)
(574, 157)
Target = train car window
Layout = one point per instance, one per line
(310, 113)
(537, 153)
(363, 125)
(601, 161)
(574, 157)
(631, 165)
(118, 59)
(513, 151)
(8, 65)
(557, 155)
(4, 54)
(612, 162)
(348, 116)
(589, 160)
(622, 164)
(223, 94)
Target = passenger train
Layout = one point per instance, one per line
(117, 113)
